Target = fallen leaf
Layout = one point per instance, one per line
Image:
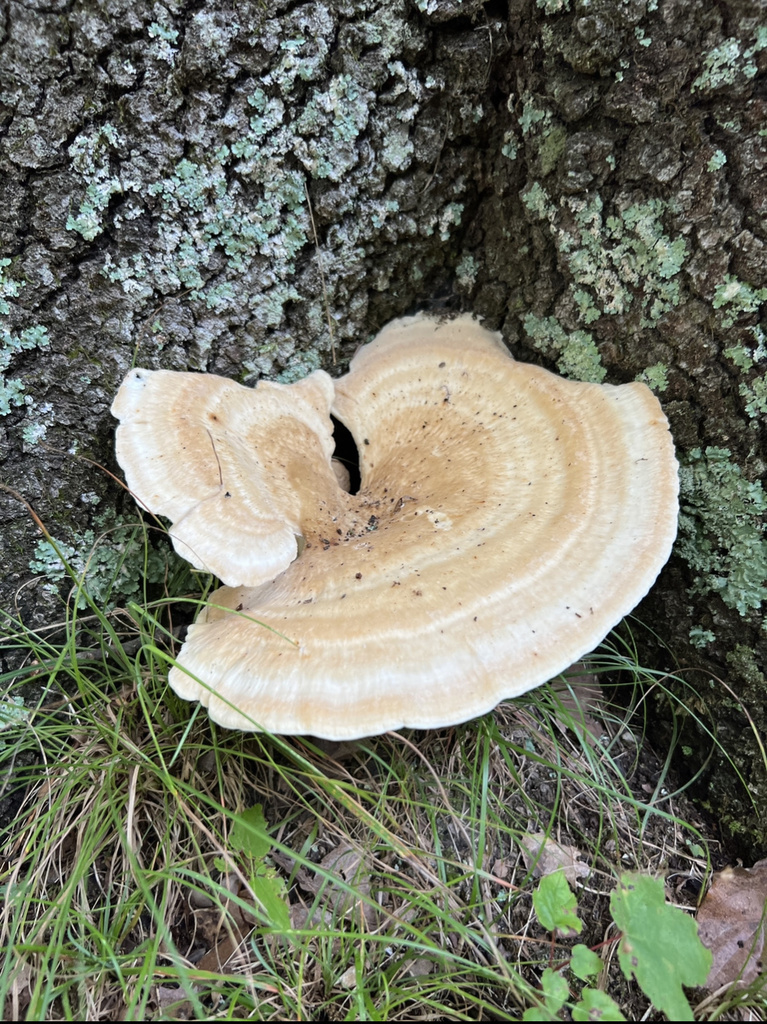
(731, 922)
(420, 967)
(222, 929)
(349, 978)
(302, 917)
(347, 865)
(581, 695)
(173, 999)
(20, 991)
(548, 856)
(500, 869)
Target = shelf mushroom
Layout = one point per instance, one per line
(506, 520)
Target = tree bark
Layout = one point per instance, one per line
(253, 188)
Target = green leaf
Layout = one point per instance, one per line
(555, 993)
(585, 963)
(596, 1005)
(659, 946)
(270, 890)
(556, 906)
(555, 989)
(249, 833)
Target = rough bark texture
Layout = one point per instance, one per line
(588, 175)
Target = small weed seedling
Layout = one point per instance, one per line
(658, 946)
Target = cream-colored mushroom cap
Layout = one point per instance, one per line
(506, 520)
(237, 470)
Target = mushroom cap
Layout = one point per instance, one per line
(506, 520)
(236, 469)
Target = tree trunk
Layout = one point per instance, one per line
(254, 188)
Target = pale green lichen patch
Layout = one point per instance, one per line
(741, 356)
(536, 199)
(655, 377)
(90, 155)
(156, 31)
(748, 361)
(12, 390)
(202, 212)
(700, 637)
(466, 271)
(449, 217)
(225, 224)
(544, 136)
(737, 297)
(12, 713)
(329, 126)
(553, 6)
(722, 529)
(624, 257)
(510, 145)
(616, 261)
(755, 395)
(110, 562)
(300, 366)
(718, 160)
(532, 116)
(39, 419)
(642, 38)
(429, 6)
(730, 61)
(575, 351)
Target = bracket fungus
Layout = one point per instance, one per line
(506, 520)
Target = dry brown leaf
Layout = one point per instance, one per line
(223, 929)
(308, 917)
(583, 697)
(349, 978)
(20, 991)
(346, 864)
(549, 856)
(500, 869)
(420, 967)
(731, 922)
(167, 997)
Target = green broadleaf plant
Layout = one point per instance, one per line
(250, 837)
(659, 946)
(556, 906)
